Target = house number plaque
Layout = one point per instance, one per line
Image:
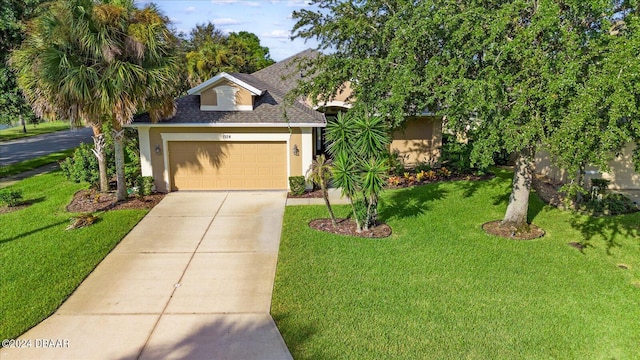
(226, 137)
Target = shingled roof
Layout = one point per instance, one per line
(269, 108)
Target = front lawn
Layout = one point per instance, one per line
(440, 288)
(41, 264)
(16, 132)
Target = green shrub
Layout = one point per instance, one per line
(601, 184)
(396, 165)
(297, 185)
(456, 155)
(11, 197)
(146, 187)
(82, 166)
(423, 166)
(610, 204)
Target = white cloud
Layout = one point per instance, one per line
(225, 21)
(298, 3)
(224, 2)
(253, 4)
(175, 21)
(190, 10)
(277, 34)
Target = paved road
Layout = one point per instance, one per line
(193, 280)
(35, 146)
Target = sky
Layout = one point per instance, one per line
(270, 20)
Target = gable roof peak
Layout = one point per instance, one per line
(197, 90)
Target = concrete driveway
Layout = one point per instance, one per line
(193, 280)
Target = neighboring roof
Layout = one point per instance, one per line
(269, 86)
(286, 74)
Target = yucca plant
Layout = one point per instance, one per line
(359, 144)
(346, 177)
(320, 174)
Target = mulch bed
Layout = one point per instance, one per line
(91, 200)
(547, 190)
(347, 227)
(307, 194)
(495, 228)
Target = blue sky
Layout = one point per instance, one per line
(270, 20)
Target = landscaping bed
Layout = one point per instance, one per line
(91, 200)
(609, 204)
(348, 227)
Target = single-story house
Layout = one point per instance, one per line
(622, 172)
(236, 132)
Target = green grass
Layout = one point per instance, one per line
(31, 164)
(40, 263)
(32, 130)
(440, 288)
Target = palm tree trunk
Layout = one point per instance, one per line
(516, 214)
(98, 151)
(118, 135)
(355, 216)
(325, 195)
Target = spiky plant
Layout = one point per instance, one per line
(320, 174)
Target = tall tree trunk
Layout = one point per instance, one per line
(24, 124)
(98, 151)
(516, 215)
(118, 136)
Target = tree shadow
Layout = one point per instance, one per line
(609, 228)
(28, 233)
(219, 336)
(34, 200)
(209, 159)
(409, 202)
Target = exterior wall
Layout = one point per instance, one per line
(419, 141)
(545, 167)
(339, 100)
(209, 97)
(296, 161)
(158, 159)
(622, 174)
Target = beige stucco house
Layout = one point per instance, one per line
(236, 132)
(622, 171)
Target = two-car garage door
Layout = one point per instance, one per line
(219, 165)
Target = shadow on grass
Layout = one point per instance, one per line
(296, 335)
(609, 228)
(28, 233)
(409, 202)
(35, 200)
(233, 336)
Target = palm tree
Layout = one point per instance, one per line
(320, 173)
(206, 61)
(100, 61)
(55, 70)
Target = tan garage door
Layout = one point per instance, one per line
(215, 165)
